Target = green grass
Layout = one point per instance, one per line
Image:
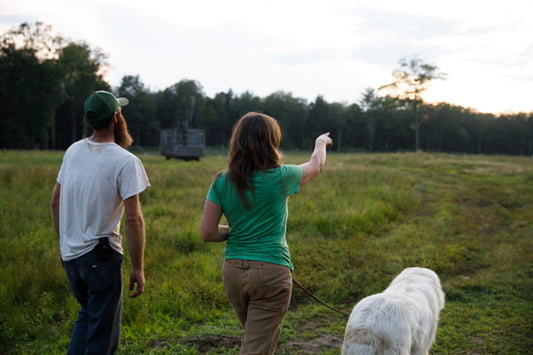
(364, 219)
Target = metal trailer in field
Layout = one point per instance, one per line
(186, 144)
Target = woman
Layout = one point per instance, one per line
(252, 193)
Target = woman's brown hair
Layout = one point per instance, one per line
(254, 146)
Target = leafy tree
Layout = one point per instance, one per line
(82, 69)
(206, 119)
(218, 130)
(478, 124)
(291, 114)
(335, 123)
(318, 112)
(370, 104)
(325, 117)
(39, 38)
(393, 130)
(44, 80)
(354, 135)
(441, 126)
(410, 81)
(30, 85)
(245, 103)
(185, 96)
(140, 112)
(166, 110)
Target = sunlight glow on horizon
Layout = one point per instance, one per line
(304, 47)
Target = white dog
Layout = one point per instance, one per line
(401, 320)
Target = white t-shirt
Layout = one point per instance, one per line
(95, 178)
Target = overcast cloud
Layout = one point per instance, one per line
(335, 48)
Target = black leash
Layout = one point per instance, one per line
(316, 299)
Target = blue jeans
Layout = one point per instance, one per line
(96, 282)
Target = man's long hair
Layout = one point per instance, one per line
(122, 135)
(254, 146)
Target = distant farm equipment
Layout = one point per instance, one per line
(188, 144)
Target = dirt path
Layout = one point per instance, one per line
(208, 343)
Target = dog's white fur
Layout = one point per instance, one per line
(401, 320)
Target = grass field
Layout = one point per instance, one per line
(469, 218)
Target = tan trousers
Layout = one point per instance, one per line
(260, 293)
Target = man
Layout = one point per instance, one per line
(98, 181)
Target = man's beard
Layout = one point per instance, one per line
(122, 136)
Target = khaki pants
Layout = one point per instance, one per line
(260, 293)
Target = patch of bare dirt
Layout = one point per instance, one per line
(208, 343)
(314, 346)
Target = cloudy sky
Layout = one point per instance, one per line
(333, 48)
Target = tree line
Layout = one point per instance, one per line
(45, 78)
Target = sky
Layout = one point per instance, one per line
(333, 48)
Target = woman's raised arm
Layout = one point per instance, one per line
(316, 163)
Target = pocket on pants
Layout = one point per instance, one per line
(276, 276)
(275, 284)
(227, 271)
(101, 275)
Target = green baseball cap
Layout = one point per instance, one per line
(103, 104)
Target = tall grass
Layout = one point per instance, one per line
(364, 219)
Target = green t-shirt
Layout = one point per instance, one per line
(259, 232)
